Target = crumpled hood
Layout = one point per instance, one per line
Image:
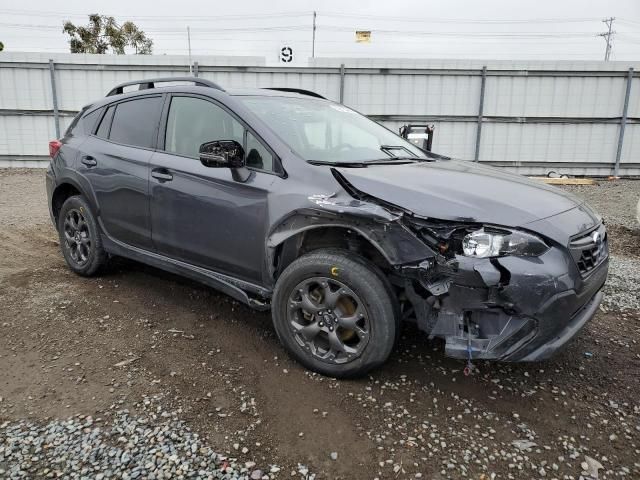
(461, 191)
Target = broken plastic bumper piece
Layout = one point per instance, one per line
(510, 308)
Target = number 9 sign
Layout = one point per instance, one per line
(286, 54)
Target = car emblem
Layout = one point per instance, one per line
(596, 238)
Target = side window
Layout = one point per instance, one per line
(257, 155)
(72, 129)
(90, 119)
(105, 123)
(194, 121)
(135, 122)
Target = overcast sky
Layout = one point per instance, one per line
(488, 29)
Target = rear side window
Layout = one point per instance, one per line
(71, 130)
(83, 123)
(103, 129)
(90, 119)
(135, 122)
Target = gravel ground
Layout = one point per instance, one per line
(152, 445)
(622, 290)
(137, 367)
(617, 203)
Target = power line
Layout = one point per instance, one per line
(607, 36)
(405, 42)
(172, 29)
(359, 16)
(386, 35)
(460, 20)
(224, 36)
(633, 22)
(337, 28)
(171, 18)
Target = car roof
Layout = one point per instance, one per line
(269, 92)
(234, 92)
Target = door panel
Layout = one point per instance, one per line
(116, 163)
(119, 178)
(201, 215)
(204, 217)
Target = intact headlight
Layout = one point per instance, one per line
(483, 243)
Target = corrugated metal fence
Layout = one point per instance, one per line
(533, 117)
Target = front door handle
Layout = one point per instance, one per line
(162, 174)
(89, 161)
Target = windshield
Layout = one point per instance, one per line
(318, 130)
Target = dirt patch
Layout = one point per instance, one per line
(220, 364)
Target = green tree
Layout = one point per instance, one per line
(103, 33)
(1, 46)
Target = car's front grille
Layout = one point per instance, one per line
(589, 249)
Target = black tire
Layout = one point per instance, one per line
(356, 288)
(80, 242)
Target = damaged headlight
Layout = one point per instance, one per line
(485, 243)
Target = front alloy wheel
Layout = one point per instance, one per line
(335, 312)
(328, 319)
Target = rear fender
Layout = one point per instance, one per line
(80, 183)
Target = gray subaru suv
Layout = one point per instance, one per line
(287, 201)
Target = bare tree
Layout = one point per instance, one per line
(103, 33)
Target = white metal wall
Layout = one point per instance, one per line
(537, 116)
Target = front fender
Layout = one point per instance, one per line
(396, 243)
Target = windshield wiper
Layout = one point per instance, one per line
(382, 161)
(337, 164)
(364, 163)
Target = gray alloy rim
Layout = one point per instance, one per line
(328, 320)
(76, 236)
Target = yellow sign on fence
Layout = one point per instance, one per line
(363, 36)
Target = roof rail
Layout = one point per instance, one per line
(151, 83)
(296, 90)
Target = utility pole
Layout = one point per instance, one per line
(607, 36)
(313, 41)
(189, 42)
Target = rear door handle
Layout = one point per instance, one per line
(89, 161)
(161, 174)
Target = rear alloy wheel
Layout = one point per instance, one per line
(79, 238)
(76, 236)
(335, 313)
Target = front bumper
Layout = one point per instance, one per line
(542, 350)
(512, 308)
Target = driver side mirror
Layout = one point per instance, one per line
(222, 153)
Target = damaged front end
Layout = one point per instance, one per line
(490, 292)
(521, 301)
